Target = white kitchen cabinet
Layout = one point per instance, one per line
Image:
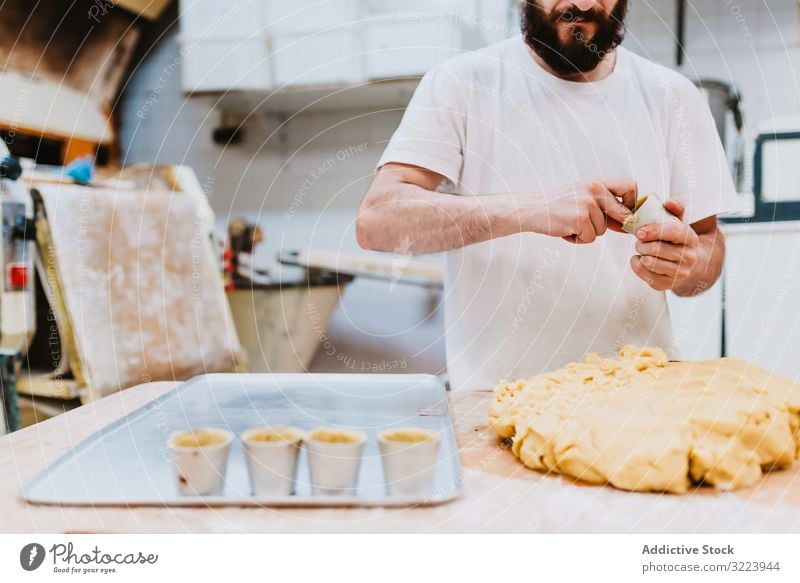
(403, 46)
(225, 64)
(697, 323)
(264, 45)
(468, 8)
(327, 57)
(762, 308)
(222, 46)
(209, 19)
(762, 279)
(223, 18)
(296, 16)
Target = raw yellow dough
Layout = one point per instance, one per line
(643, 423)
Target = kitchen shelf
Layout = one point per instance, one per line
(293, 100)
(45, 107)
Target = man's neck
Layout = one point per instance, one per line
(600, 72)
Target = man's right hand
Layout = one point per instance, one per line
(404, 212)
(578, 213)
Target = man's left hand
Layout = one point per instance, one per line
(668, 252)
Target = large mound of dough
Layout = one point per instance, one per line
(643, 423)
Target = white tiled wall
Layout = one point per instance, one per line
(754, 43)
(280, 164)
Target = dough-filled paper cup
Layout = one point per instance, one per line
(200, 458)
(272, 454)
(334, 460)
(409, 458)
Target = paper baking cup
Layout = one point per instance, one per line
(409, 458)
(272, 454)
(334, 460)
(200, 458)
(649, 211)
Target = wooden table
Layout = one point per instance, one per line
(500, 494)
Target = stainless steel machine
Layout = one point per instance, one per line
(17, 311)
(725, 103)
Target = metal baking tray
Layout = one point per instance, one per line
(128, 463)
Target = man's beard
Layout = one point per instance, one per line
(582, 52)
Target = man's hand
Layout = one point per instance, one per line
(579, 213)
(676, 256)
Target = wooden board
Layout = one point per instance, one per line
(394, 267)
(500, 494)
(143, 292)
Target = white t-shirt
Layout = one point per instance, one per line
(494, 121)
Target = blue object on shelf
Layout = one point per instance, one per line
(81, 169)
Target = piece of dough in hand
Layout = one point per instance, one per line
(649, 211)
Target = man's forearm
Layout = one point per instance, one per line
(404, 213)
(709, 265)
(411, 220)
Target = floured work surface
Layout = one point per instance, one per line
(643, 423)
(140, 285)
(500, 494)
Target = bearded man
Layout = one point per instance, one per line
(521, 161)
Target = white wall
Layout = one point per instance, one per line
(752, 43)
(279, 162)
